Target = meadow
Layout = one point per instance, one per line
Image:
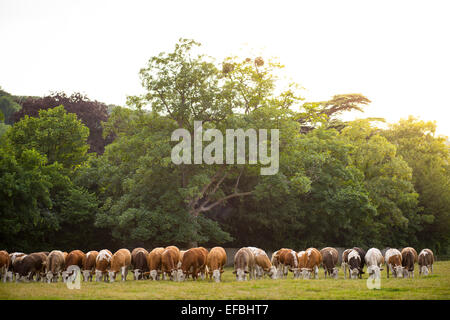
(435, 286)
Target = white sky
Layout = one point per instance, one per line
(397, 53)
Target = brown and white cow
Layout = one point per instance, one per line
(329, 261)
(310, 263)
(289, 261)
(181, 258)
(55, 265)
(14, 258)
(102, 263)
(194, 262)
(88, 269)
(408, 259)
(393, 260)
(374, 260)
(29, 265)
(275, 260)
(154, 263)
(74, 258)
(426, 260)
(169, 263)
(5, 262)
(244, 263)
(139, 263)
(120, 262)
(263, 265)
(215, 261)
(354, 264)
(344, 263)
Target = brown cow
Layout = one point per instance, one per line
(244, 263)
(55, 265)
(263, 265)
(120, 262)
(102, 263)
(174, 248)
(310, 263)
(193, 259)
(216, 260)
(5, 262)
(288, 261)
(169, 262)
(139, 263)
(426, 260)
(14, 257)
(74, 258)
(329, 262)
(29, 265)
(181, 258)
(408, 259)
(393, 260)
(88, 269)
(154, 263)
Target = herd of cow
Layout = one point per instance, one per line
(177, 265)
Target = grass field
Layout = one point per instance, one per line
(436, 286)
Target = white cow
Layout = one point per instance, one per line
(374, 260)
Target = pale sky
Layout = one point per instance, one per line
(396, 53)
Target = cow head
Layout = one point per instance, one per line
(154, 274)
(424, 270)
(87, 275)
(138, 274)
(398, 271)
(241, 274)
(50, 277)
(354, 273)
(306, 273)
(374, 271)
(98, 275)
(334, 273)
(181, 276)
(112, 276)
(272, 272)
(216, 275)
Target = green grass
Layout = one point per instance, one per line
(436, 286)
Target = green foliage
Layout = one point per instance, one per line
(7, 107)
(58, 135)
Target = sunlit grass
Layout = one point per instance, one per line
(436, 286)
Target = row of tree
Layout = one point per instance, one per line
(76, 173)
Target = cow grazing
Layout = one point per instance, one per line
(55, 266)
(169, 263)
(310, 263)
(289, 262)
(344, 263)
(329, 261)
(263, 266)
(361, 254)
(5, 262)
(374, 260)
(30, 265)
(14, 257)
(354, 264)
(120, 262)
(215, 261)
(393, 260)
(244, 263)
(426, 260)
(74, 258)
(193, 259)
(139, 263)
(154, 263)
(408, 259)
(275, 260)
(88, 265)
(102, 263)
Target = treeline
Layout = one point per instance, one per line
(76, 173)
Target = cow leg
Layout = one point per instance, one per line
(387, 270)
